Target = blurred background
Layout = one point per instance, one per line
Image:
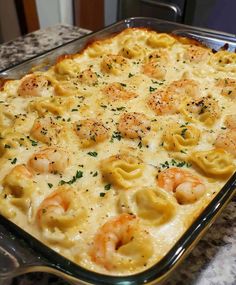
(19, 17)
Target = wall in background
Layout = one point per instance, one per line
(9, 27)
(54, 11)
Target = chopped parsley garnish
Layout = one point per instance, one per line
(123, 84)
(120, 108)
(7, 146)
(130, 75)
(95, 174)
(92, 153)
(223, 128)
(173, 162)
(157, 82)
(74, 110)
(103, 106)
(14, 161)
(183, 133)
(107, 187)
(33, 143)
(140, 144)
(50, 185)
(102, 194)
(78, 175)
(116, 135)
(152, 89)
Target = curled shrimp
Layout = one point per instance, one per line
(46, 130)
(59, 210)
(227, 141)
(155, 64)
(166, 102)
(155, 70)
(91, 131)
(49, 160)
(120, 244)
(115, 91)
(134, 125)
(196, 54)
(88, 77)
(186, 187)
(162, 104)
(32, 85)
(183, 88)
(230, 121)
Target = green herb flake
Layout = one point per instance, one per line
(116, 135)
(7, 146)
(152, 89)
(74, 110)
(14, 161)
(92, 153)
(183, 133)
(130, 75)
(95, 174)
(102, 194)
(78, 175)
(107, 187)
(50, 185)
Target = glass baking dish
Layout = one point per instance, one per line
(21, 253)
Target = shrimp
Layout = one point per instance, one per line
(91, 131)
(155, 64)
(120, 244)
(115, 92)
(134, 125)
(228, 87)
(45, 130)
(113, 64)
(186, 187)
(59, 209)
(196, 54)
(32, 85)
(230, 121)
(227, 141)
(154, 70)
(162, 104)
(166, 102)
(49, 160)
(88, 77)
(183, 88)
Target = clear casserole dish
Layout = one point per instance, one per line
(17, 256)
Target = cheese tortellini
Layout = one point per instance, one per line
(67, 68)
(224, 61)
(178, 137)
(122, 170)
(18, 187)
(205, 110)
(160, 40)
(214, 162)
(54, 105)
(61, 211)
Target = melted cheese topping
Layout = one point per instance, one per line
(110, 155)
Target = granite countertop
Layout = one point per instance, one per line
(212, 262)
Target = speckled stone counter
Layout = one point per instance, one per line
(35, 43)
(212, 262)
